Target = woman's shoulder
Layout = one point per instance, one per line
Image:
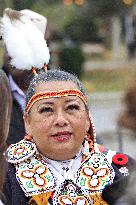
(20, 151)
(123, 162)
(124, 167)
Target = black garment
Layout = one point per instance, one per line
(114, 193)
(16, 129)
(14, 195)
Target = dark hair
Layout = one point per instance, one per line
(5, 111)
(52, 75)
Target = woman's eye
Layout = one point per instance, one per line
(46, 110)
(73, 107)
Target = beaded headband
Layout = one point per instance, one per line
(50, 94)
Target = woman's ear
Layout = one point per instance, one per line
(27, 123)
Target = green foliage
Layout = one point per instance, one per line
(72, 59)
(4, 4)
(82, 29)
(108, 7)
(57, 14)
(52, 1)
(22, 4)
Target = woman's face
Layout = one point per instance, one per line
(57, 125)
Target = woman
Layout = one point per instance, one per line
(5, 110)
(58, 161)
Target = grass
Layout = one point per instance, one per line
(108, 80)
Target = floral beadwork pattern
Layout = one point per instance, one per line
(69, 193)
(95, 176)
(34, 177)
(20, 151)
(95, 173)
(65, 200)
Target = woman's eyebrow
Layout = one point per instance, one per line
(47, 103)
(72, 100)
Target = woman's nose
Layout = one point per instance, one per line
(61, 119)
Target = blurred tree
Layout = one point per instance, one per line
(52, 1)
(4, 4)
(16, 4)
(86, 29)
(71, 59)
(22, 4)
(105, 10)
(109, 7)
(57, 13)
(83, 24)
(80, 22)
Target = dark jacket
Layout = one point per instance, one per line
(119, 192)
(16, 129)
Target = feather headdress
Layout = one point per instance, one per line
(39, 20)
(24, 42)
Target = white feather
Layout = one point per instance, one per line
(25, 43)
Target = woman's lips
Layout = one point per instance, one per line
(61, 136)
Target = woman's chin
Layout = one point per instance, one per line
(64, 154)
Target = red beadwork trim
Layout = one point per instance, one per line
(120, 159)
(60, 93)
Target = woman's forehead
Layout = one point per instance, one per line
(63, 99)
(55, 86)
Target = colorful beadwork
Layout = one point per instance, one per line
(34, 176)
(95, 173)
(59, 93)
(70, 193)
(36, 179)
(40, 199)
(20, 151)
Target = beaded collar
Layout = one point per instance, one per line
(35, 176)
(59, 93)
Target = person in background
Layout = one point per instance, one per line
(127, 118)
(19, 79)
(5, 111)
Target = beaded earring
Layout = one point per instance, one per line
(28, 137)
(90, 142)
(88, 145)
